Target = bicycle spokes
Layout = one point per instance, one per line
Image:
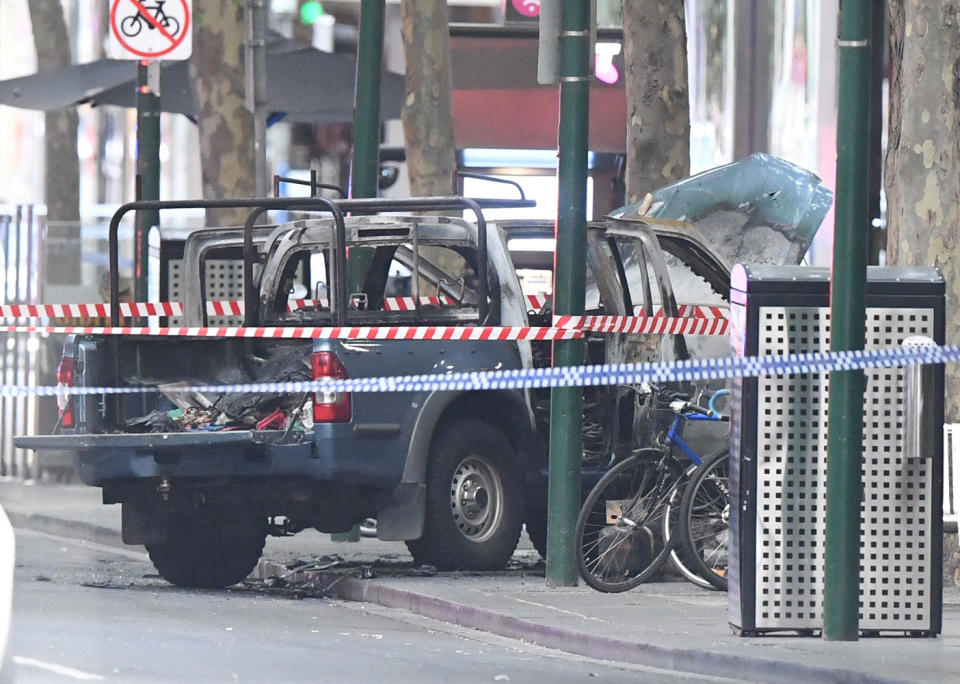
(705, 521)
(620, 540)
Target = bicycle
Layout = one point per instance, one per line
(133, 24)
(624, 534)
(705, 520)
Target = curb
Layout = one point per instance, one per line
(66, 528)
(598, 647)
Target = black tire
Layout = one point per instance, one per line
(209, 550)
(671, 525)
(612, 555)
(705, 520)
(536, 524)
(474, 500)
(131, 26)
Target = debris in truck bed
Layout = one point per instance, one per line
(155, 421)
(275, 421)
(181, 420)
(250, 407)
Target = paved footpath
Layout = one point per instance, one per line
(668, 625)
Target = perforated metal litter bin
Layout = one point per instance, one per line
(779, 453)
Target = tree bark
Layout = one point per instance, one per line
(62, 168)
(223, 122)
(427, 112)
(923, 152)
(658, 101)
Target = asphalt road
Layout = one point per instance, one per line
(86, 613)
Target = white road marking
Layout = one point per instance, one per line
(57, 669)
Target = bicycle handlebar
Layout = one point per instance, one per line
(681, 406)
(716, 395)
(689, 407)
(680, 403)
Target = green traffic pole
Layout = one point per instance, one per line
(148, 172)
(841, 590)
(566, 437)
(365, 168)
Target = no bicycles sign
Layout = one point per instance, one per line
(151, 29)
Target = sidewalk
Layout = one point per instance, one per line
(668, 625)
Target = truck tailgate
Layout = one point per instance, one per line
(153, 441)
(105, 458)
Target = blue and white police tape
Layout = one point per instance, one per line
(567, 376)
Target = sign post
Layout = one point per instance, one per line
(148, 32)
(255, 66)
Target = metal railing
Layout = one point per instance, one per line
(20, 232)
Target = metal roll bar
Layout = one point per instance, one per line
(335, 207)
(248, 203)
(314, 185)
(453, 202)
(491, 179)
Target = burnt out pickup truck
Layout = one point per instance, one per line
(203, 478)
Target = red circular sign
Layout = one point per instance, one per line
(143, 14)
(528, 8)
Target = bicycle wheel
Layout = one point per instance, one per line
(671, 524)
(705, 519)
(130, 26)
(619, 540)
(171, 24)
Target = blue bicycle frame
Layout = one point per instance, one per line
(675, 433)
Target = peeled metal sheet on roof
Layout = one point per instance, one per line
(759, 210)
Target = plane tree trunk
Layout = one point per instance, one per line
(923, 168)
(427, 111)
(658, 99)
(223, 121)
(62, 167)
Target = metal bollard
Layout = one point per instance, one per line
(919, 382)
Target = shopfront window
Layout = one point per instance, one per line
(793, 109)
(709, 65)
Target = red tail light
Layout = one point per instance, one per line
(65, 379)
(330, 407)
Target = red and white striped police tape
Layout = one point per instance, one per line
(214, 308)
(127, 309)
(438, 332)
(693, 320)
(235, 308)
(650, 325)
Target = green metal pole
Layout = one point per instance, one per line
(148, 171)
(841, 591)
(365, 169)
(366, 113)
(566, 403)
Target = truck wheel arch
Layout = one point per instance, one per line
(506, 410)
(400, 512)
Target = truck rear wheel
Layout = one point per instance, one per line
(536, 524)
(474, 500)
(209, 551)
